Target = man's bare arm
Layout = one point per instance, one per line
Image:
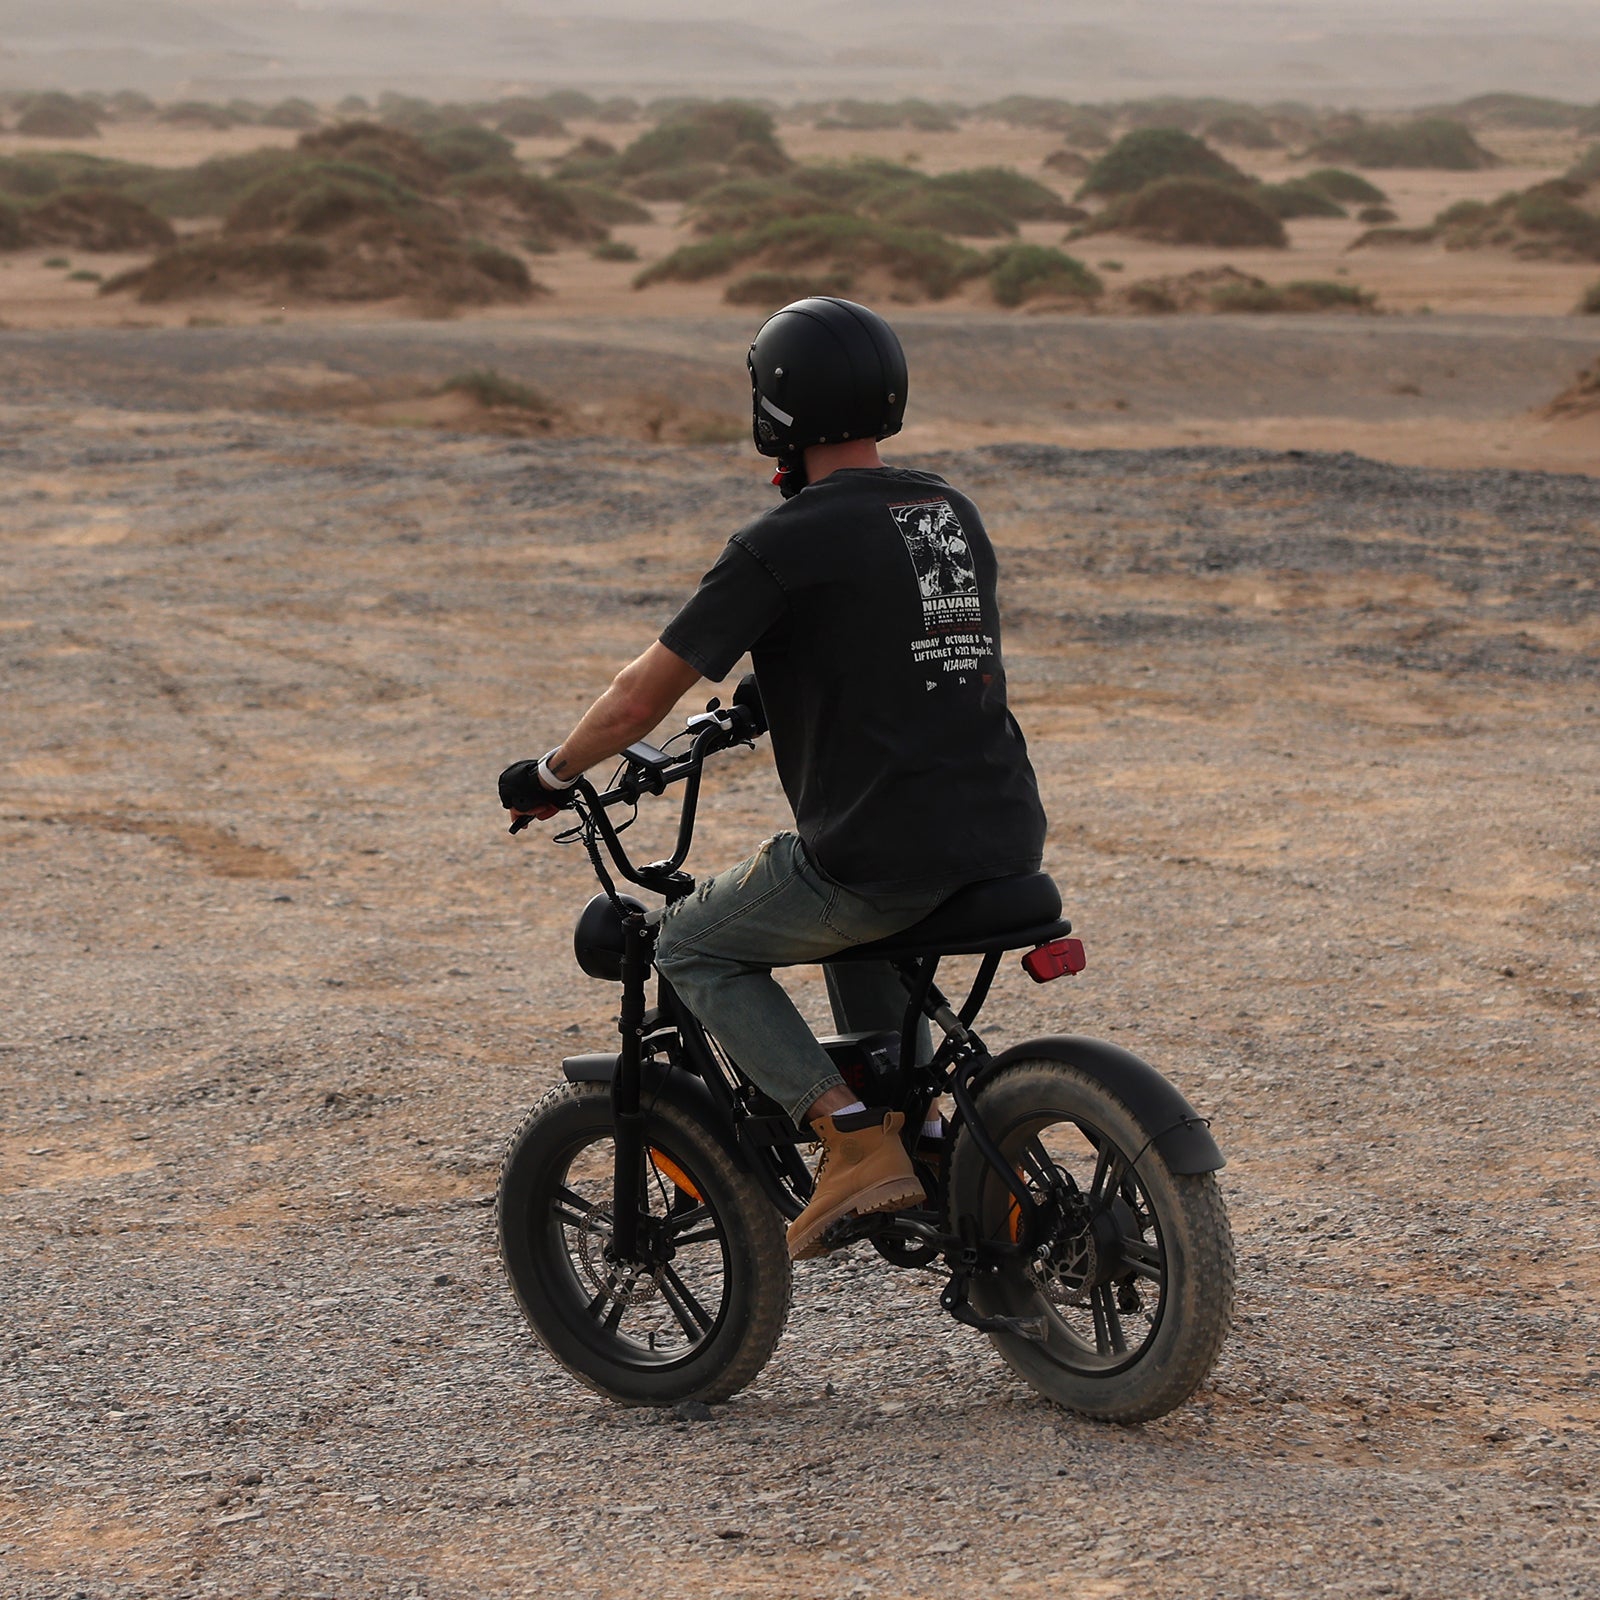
(639, 697)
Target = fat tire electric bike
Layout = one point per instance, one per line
(642, 1203)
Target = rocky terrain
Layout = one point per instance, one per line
(1318, 738)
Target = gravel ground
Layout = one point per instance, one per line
(1318, 738)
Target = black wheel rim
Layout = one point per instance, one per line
(1100, 1272)
(656, 1312)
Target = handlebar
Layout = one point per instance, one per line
(650, 771)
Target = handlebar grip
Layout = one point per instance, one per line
(747, 699)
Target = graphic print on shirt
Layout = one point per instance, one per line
(947, 578)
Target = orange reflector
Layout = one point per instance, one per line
(675, 1174)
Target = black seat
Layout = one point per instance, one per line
(996, 914)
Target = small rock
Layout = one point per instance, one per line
(240, 1516)
(692, 1411)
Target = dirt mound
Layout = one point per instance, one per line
(401, 155)
(376, 258)
(1069, 163)
(1226, 289)
(540, 212)
(1193, 211)
(1554, 221)
(97, 219)
(1348, 188)
(1146, 155)
(910, 263)
(1298, 198)
(1436, 143)
(770, 290)
(1020, 274)
(57, 116)
(1581, 397)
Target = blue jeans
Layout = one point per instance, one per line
(718, 949)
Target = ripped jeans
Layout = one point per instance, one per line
(718, 949)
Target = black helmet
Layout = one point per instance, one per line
(822, 371)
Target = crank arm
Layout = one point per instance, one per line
(954, 1300)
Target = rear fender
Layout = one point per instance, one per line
(659, 1082)
(1175, 1130)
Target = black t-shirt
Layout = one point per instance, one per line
(867, 604)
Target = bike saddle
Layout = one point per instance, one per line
(996, 914)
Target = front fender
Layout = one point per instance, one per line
(657, 1082)
(1174, 1128)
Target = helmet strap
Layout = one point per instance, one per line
(790, 478)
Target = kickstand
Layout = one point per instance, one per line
(954, 1300)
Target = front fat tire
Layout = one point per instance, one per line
(758, 1273)
(1196, 1238)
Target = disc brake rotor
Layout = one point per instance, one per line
(607, 1277)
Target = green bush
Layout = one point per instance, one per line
(1540, 211)
(614, 250)
(369, 144)
(1348, 188)
(313, 197)
(1140, 158)
(197, 114)
(678, 183)
(57, 116)
(1504, 110)
(84, 275)
(844, 186)
(1394, 238)
(1374, 215)
(500, 266)
(550, 208)
(729, 132)
(691, 263)
(469, 149)
(210, 189)
(57, 262)
(525, 121)
(1022, 272)
(604, 206)
(1021, 198)
(1462, 212)
(774, 289)
(1300, 295)
(745, 203)
(97, 219)
(1297, 198)
(945, 210)
(1434, 143)
(292, 113)
(1194, 211)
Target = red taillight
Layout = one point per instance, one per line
(1055, 960)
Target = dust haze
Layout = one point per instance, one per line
(1358, 52)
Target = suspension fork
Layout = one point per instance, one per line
(626, 1115)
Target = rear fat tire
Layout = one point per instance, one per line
(757, 1274)
(1197, 1303)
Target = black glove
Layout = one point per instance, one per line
(522, 789)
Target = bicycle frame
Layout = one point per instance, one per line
(765, 1140)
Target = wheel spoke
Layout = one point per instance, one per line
(1109, 1171)
(1143, 1258)
(692, 1317)
(574, 1210)
(1108, 1336)
(680, 1222)
(711, 1234)
(1037, 1160)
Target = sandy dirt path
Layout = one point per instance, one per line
(1318, 739)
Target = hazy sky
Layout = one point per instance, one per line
(1376, 52)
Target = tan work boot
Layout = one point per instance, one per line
(864, 1168)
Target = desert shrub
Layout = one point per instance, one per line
(1303, 294)
(916, 260)
(57, 116)
(1022, 272)
(98, 219)
(1165, 111)
(214, 265)
(1348, 188)
(291, 113)
(1461, 213)
(369, 144)
(1589, 305)
(130, 103)
(210, 189)
(353, 105)
(11, 236)
(1540, 210)
(1194, 211)
(1376, 215)
(1586, 169)
(32, 177)
(1504, 110)
(729, 132)
(549, 208)
(614, 250)
(1435, 143)
(57, 261)
(1021, 198)
(469, 148)
(692, 263)
(519, 120)
(920, 115)
(313, 197)
(947, 210)
(500, 267)
(604, 206)
(770, 290)
(1394, 238)
(1067, 162)
(1243, 129)
(1079, 125)
(745, 203)
(407, 114)
(619, 108)
(245, 112)
(1142, 157)
(1297, 198)
(843, 186)
(570, 103)
(197, 114)
(678, 183)
(84, 275)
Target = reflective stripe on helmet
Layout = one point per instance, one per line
(775, 411)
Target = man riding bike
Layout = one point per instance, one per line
(866, 601)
